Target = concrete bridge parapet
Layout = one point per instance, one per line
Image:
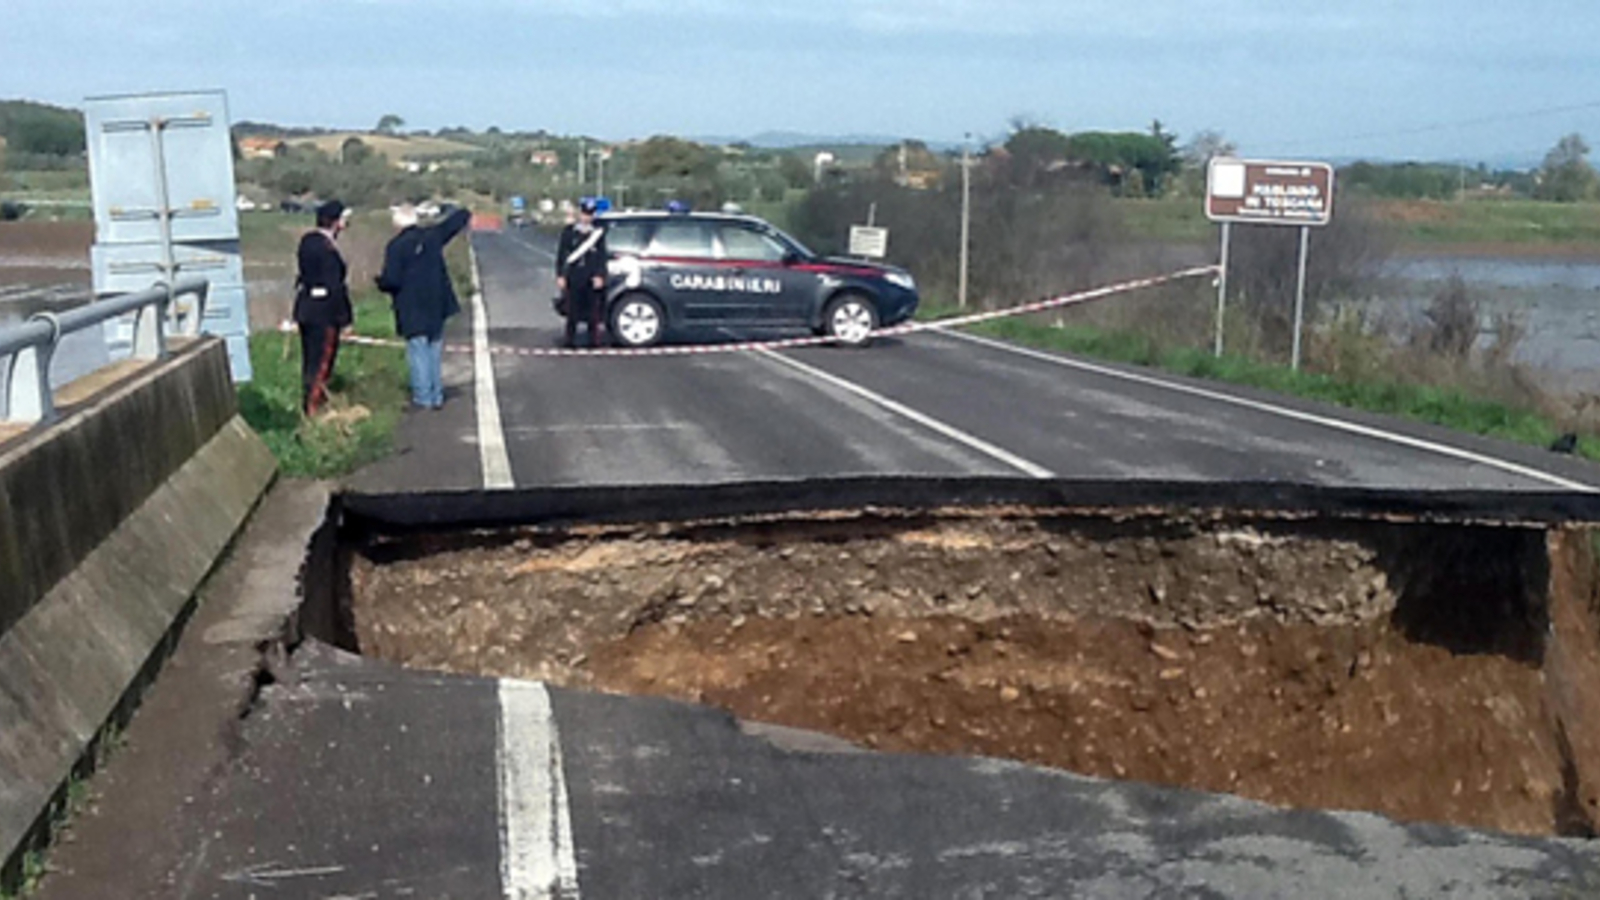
(110, 518)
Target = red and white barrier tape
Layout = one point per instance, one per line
(792, 343)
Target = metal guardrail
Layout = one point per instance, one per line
(30, 397)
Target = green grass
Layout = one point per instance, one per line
(779, 212)
(1494, 222)
(369, 392)
(1428, 223)
(69, 182)
(1448, 407)
(267, 235)
(1179, 220)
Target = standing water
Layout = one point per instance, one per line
(1557, 302)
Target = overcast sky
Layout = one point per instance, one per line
(1426, 79)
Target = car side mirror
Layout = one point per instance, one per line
(790, 258)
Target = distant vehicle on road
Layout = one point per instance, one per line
(696, 273)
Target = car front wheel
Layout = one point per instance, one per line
(638, 321)
(851, 319)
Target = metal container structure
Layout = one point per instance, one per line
(120, 268)
(161, 171)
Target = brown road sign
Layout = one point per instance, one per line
(1263, 192)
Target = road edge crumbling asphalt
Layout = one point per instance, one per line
(133, 838)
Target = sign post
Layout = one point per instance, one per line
(1261, 192)
(1300, 299)
(1222, 284)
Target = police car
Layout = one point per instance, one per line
(687, 273)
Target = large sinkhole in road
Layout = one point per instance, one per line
(1401, 668)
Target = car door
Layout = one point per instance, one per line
(626, 241)
(763, 288)
(682, 261)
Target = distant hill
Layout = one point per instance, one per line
(794, 140)
(784, 140)
(396, 147)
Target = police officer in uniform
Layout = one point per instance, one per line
(581, 273)
(321, 303)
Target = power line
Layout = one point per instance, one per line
(1467, 123)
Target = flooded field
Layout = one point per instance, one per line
(1556, 300)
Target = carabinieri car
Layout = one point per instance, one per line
(675, 272)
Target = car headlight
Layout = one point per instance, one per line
(901, 279)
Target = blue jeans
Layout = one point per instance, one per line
(424, 356)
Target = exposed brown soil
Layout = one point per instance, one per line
(1351, 717)
(46, 239)
(45, 253)
(1266, 663)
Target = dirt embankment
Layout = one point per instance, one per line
(1297, 664)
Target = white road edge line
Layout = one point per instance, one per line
(537, 861)
(1031, 469)
(1312, 418)
(492, 456)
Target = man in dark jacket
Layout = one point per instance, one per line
(581, 273)
(321, 303)
(415, 277)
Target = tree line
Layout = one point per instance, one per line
(39, 136)
(1131, 164)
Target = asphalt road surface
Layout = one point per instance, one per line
(348, 778)
(932, 403)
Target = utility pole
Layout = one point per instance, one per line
(966, 216)
(583, 162)
(600, 164)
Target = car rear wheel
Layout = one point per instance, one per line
(638, 321)
(851, 319)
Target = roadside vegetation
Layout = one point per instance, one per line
(367, 397)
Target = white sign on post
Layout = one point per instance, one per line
(869, 242)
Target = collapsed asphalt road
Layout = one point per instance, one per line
(350, 778)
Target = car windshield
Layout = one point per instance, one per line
(796, 246)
